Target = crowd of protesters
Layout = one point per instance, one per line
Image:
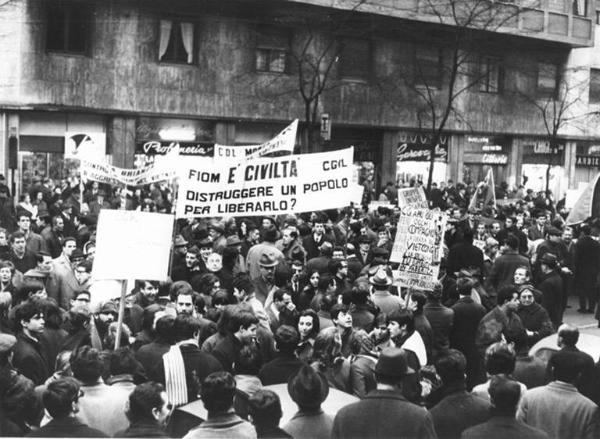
(305, 300)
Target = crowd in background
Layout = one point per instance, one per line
(307, 300)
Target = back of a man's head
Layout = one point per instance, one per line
(464, 285)
(500, 358)
(186, 326)
(217, 392)
(568, 334)
(86, 365)
(286, 339)
(504, 394)
(143, 399)
(512, 241)
(265, 408)
(241, 317)
(451, 367)
(59, 396)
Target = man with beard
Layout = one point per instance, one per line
(53, 236)
(147, 291)
(108, 313)
(28, 358)
(339, 270)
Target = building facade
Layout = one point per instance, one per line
(130, 79)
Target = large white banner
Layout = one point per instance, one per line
(283, 142)
(418, 246)
(132, 245)
(265, 186)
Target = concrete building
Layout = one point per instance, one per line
(130, 78)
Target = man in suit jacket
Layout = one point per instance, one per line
(558, 408)
(372, 417)
(313, 242)
(504, 395)
(538, 230)
(62, 283)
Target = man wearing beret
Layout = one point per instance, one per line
(385, 412)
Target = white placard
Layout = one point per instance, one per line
(132, 245)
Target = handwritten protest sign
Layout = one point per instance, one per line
(265, 186)
(132, 245)
(413, 197)
(283, 142)
(418, 246)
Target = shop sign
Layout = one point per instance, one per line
(162, 147)
(590, 161)
(80, 144)
(489, 144)
(494, 159)
(418, 149)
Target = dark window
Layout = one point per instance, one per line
(547, 79)
(271, 54)
(594, 86)
(68, 27)
(355, 59)
(597, 17)
(427, 67)
(490, 75)
(176, 41)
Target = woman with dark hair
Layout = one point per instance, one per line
(53, 336)
(308, 328)
(328, 359)
(309, 289)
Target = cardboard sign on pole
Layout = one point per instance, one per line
(418, 247)
(132, 245)
(413, 197)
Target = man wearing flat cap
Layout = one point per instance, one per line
(268, 243)
(216, 230)
(385, 412)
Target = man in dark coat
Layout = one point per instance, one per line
(285, 364)
(458, 409)
(440, 318)
(551, 287)
(467, 315)
(28, 356)
(504, 266)
(504, 395)
(372, 417)
(149, 355)
(61, 399)
(313, 242)
(586, 263)
(465, 255)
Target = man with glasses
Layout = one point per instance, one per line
(148, 411)
(61, 400)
